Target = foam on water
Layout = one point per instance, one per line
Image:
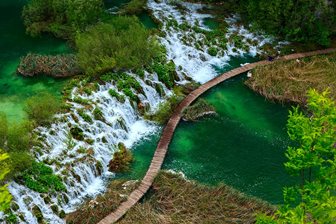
(82, 165)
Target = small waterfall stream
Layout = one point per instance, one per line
(82, 165)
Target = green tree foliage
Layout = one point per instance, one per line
(5, 196)
(296, 20)
(60, 17)
(314, 159)
(42, 107)
(121, 44)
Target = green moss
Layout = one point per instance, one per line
(213, 51)
(77, 133)
(85, 116)
(98, 114)
(40, 178)
(82, 101)
(115, 94)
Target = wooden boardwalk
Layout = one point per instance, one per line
(169, 130)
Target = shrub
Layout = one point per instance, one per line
(42, 107)
(123, 43)
(19, 136)
(19, 162)
(121, 160)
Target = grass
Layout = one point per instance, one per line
(172, 199)
(288, 81)
(93, 211)
(197, 110)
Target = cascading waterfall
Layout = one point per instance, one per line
(82, 165)
(188, 46)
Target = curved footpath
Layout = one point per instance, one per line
(169, 130)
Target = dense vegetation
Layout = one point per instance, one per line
(60, 17)
(288, 81)
(121, 44)
(313, 158)
(5, 196)
(173, 199)
(307, 21)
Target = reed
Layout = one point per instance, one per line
(288, 81)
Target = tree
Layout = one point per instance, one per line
(295, 20)
(314, 159)
(60, 17)
(5, 196)
(121, 44)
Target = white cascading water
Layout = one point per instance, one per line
(84, 172)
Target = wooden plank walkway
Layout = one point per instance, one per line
(169, 130)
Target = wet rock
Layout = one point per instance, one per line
(37, 213)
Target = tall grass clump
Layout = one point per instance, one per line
(288, 81)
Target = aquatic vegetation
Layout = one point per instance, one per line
(103, 204)
(199, 109)
(288, 81)
(186, 201)
(121, 160)
(58, 66)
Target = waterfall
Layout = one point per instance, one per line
(83, 165)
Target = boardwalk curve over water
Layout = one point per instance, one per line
(169, 130)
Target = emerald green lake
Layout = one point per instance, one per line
(14, 43)
(242, 146)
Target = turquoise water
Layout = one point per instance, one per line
(14, 43)
(243, 146)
